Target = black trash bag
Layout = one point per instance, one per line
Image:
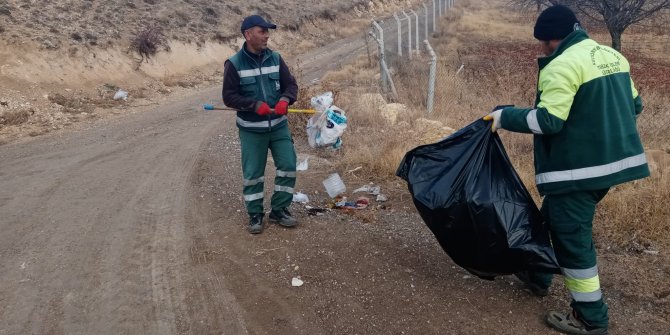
(472, 199)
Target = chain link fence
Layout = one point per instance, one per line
(407, 63)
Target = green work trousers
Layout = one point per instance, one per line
(255, 147)
(570, 220)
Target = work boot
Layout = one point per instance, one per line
(537, 290)
(255, 223)
(283, 217)
(571, 324)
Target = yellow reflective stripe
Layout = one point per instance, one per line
(583, 285)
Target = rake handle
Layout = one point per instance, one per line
(291, 110)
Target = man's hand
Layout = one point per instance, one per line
(263, 109)
(495, 117)
(281, 108)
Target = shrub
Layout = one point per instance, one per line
(14, 118)
(148, 42)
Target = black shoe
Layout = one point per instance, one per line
(570, 323)
(536, 289)
(255, 223)
(283, 217)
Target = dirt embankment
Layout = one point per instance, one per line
(62, 62)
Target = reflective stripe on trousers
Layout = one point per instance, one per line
(584, 284)
(252, 197)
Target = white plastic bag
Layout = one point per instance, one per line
(326, 128)
(121, 95)
(322, 102)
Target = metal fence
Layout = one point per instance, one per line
(405, 54)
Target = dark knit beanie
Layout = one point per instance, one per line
(555, 23)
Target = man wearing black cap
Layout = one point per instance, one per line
(586, 141)
(257, 83)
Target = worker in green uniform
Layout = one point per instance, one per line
(258, 83)
(586, 141)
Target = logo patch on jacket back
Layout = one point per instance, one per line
(277, 85)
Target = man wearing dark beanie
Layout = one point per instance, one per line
(586, 141)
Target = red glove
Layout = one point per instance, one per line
(281, 108)
(263, 109)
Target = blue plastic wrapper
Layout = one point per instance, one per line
(469, 195)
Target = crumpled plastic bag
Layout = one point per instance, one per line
(326, 128)
(469, 195)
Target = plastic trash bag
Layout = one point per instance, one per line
(322, 102)
(120, 95)
(326, 128)
(471, 198)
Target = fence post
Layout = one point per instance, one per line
(384, 70)
(434, 22)
(397, 21)
(416, 30)
(425, 20)
(431, 78)
(409, 34)
(380, 41)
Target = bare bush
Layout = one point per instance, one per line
(148, 42)
(14, 118)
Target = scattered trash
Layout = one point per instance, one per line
(315, 211)
(355, 169)
(342, 203)
(460, 68)
(296, 282)
(121, 95)
(370, 189)
(301, 198)
(650, 252)
(303, 166)
(362, 202)
(382, 198)
(334, 185)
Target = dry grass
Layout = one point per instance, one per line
(498, 55)
(14, 118)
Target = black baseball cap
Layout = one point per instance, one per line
(256, 20)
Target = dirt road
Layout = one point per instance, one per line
(136, 226)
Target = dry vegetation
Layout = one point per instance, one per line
(498, 58)
(109, 23)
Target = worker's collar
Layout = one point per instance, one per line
(570, 40)
(253, 54)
